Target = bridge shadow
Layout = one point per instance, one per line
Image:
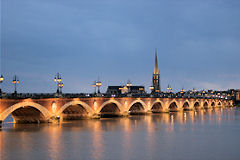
(137, 109)
(110, 110)
(74, 112)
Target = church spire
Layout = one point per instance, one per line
(156, 76)
(156, 70)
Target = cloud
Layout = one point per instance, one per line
(198, 42)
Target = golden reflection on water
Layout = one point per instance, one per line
(55, 147)
(151, 136)
(127, 136)
(149, 125)
(97, 141)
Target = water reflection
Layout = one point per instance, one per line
(127, 137)
(97, 141)
(55, 147)
(154, 136)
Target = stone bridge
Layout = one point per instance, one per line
(51, 109)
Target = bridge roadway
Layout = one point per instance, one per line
(58, 109)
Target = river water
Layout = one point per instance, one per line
(193, 135)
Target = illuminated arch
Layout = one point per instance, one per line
(83, 104)
(173, 102)
(157, 107)
(172, 105)
(219, 103)
(213, 104)
(119, 105)
(157, 101)
(186, 102)
(138, 101)
(197, 102)
(14, 107)
(205, 104)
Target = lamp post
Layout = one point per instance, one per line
(151, 89)
(169, 88)
(15, 82)
(58, 80)
(98, 84)
(1, 81)
(60, 85)
(129, 84)
(182, 90)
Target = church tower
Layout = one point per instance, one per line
(156, 76)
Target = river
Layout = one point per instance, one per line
(192, 135)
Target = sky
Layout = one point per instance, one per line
(198, 43)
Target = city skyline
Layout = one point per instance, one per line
(116, 41)
(155, 71)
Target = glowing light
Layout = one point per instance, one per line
(99, 84)
(149, 105)
(125, 103)
(95, 105)
(54, 107)
(151, 88)
(1, 79)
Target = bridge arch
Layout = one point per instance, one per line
(213, 104)
(219, 103)
(157, 106)
(173, 106)
(117, 104)
(205, 104)
(84, 105)
(137, 106)
(19, 105)
(186, 105)
(137, 101)
(196, 104)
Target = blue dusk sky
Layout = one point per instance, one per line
(198, 43)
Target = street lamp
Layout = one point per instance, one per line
(15, 82)
(58, 80)
(1, 80)
(182, 90)
(60, 85)
(98, 84)
(169, 88)
(151, 89)
(129, 84)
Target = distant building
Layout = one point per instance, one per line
(238, 96)
(117, 90)
(156, 76)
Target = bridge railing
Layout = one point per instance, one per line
(89, 95)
